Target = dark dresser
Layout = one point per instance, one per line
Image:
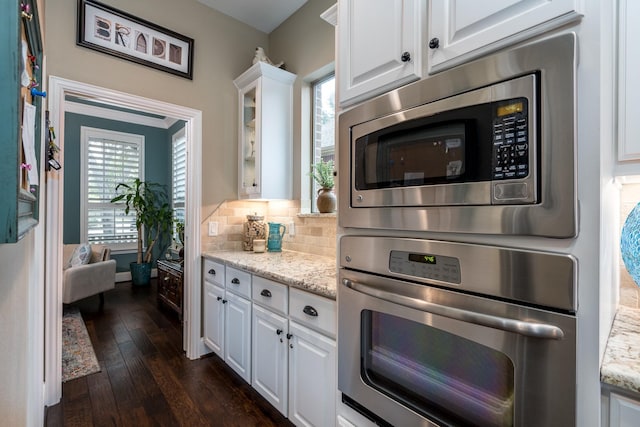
(170, 287)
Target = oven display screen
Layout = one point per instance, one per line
(427, 259)
(427, 266)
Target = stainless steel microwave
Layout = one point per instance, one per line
(487, 147)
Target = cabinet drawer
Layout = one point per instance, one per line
(238, 282)
(313, 310)
(213, 272)
(270, 294)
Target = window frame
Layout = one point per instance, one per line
(86, 133)
(314, 155)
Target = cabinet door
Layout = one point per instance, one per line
(250, 140)
(628, 84)
(379, 46)
(312, 377)
(460, 30)
(624, 412)
(270, 357)
(214, 303)
(237, 335)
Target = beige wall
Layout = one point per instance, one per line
(223, 49)
(306, 43)
(16, 332)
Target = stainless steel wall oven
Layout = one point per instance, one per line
(423, 341)
(487, 147)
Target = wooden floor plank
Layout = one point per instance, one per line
(146, 380)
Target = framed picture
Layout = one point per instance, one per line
(120, 34)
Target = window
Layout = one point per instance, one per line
(108, 158)
(178, 177)
(324, 112)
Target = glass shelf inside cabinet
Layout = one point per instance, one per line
(249, 138)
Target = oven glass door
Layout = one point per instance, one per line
(438, 374)
(416, 355)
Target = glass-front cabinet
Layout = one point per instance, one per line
(265, 133)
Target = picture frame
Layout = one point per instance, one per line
(120, 34)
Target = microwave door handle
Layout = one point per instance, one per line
(537, 330)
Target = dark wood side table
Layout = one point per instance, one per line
(170, 287)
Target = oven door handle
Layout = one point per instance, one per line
(530, 329)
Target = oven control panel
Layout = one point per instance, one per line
(427, 266)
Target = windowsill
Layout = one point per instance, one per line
(317, 215)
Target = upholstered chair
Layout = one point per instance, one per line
(87, 279)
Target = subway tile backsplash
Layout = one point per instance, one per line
(314, 233)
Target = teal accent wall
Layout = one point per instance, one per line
(157, 167)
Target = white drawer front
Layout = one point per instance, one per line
(270, 294)
(213, 272)
(238, 282)
(312, 310)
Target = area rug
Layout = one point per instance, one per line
(78, 357)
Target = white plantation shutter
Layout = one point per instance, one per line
(179, 175)
(109, 159)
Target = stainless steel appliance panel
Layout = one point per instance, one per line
(534, 277)
(555, 212)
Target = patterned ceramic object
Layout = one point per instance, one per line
(630, 243)
(254, 228)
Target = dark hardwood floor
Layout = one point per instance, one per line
(145, 378)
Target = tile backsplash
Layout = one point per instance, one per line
(629, 291)
(313, 233)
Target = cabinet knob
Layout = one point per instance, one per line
(219, 298)
(278, 331)
(224, 301)
(235, 281)
(289, 336)
(266, 293)
(212, 272)
(310, 311)
(434, 43)
(406, 57)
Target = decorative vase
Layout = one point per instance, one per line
(326, 201)
(140, 273)
(630, 244)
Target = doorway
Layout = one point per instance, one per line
(59, 90)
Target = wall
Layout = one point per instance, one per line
(306, 43)
(223, 49)
(18, 273)
(314, 233)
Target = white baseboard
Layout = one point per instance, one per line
(125, 276)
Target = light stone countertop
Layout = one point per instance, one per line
(621, 362)
(313, 273)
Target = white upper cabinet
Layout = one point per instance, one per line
(380, 46)
(459, 30)
(628, 86)
(265, 132)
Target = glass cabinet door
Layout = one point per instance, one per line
(250, 146)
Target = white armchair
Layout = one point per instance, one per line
(97, 276)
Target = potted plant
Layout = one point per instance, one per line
(154, 218)
(322, 173)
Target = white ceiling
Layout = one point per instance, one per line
(264, 15)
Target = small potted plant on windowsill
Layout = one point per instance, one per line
(154, 218)
(322, 173)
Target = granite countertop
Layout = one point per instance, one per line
(313, 273)
(621, 362)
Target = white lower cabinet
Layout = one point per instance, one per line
(214, 318)
(237, 335)
(282, 341)
(312, 377)
(270, 357)
(623, 411)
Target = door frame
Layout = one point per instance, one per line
(59, 88)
